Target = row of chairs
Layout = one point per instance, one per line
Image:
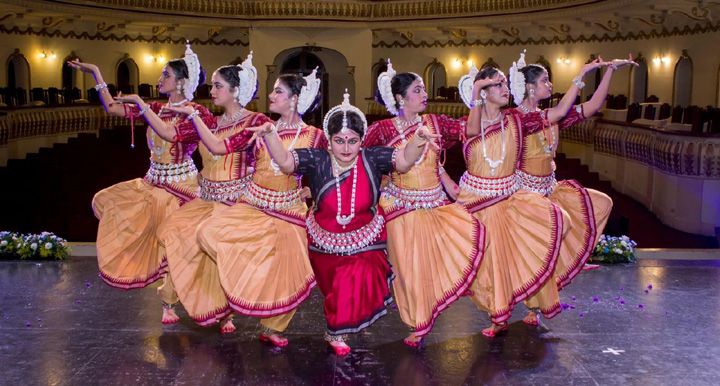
(692, 115)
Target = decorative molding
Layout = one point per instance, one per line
(708, 27)
(112, 37)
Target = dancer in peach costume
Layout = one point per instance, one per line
(129, 254)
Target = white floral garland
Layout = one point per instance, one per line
(308, 92)
(384, 83)
(465, 86)
(248, 82)
(517, 80)
(193, 64)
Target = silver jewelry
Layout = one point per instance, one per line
(144, 110)
(168, 306)
(159, 150)
(532, 92)
(526, 110)
(553, 145)
(100, 86)
(176, 104)
(267, 331)
(192, 115)
(614, 67)
(333, 338)
(179, 88)
(578, 82)
(234, 117)
(483, 95)
(292, 105)
(338, 170)
(401, 103)
(298, 127)
(493, 163)
(477, 103)
(344, 108)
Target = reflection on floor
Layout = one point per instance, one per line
(60, 325)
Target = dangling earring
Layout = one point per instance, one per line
(532, 92)
(292, 105)
(179, 88)
(483, 96)
(402, 110)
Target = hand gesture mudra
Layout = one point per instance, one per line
(88, 68)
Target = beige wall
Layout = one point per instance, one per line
(660, 77)
(356, 46)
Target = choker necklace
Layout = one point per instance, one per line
(494, 120)
(402, 125)
(338, 170)
(287, 126)
(527, 110)
(233, 117)
(273, 165)
(493, 163)
(176, 104)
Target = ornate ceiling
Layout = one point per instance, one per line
(394, 23)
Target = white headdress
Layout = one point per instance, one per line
(193, 64)
(517, 80)
(384, 82)
(344, 107)
(308, 92)
(248, 82)
(465, 86)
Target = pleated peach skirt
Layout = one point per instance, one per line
(435, 254)
(588, 210)
(524, 233)
(194, 273)
(262, 258)
(129, 255)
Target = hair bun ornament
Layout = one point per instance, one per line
(517, 80)
(344, 107)
(193, 64)
(309, 92)
(384, 83)
(466, 84)
(248, 81)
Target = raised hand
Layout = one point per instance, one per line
(623, 62)
(482, 83)
(186, 109)
(597, 63)
(89, 68)
(424, 134)
(131, 98)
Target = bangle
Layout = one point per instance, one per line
(477, 102)
(441, 170)
(578, 82)
(273, 129)
(100, 86)
(614, 67)
(192, 115)
(144, 110)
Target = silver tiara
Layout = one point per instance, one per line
(345, 106)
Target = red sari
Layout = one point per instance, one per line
(350, 262)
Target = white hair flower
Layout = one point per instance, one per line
(517, 80)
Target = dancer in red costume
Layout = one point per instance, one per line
(346, 228)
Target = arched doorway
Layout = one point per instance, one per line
(638, 80)
(127, 75)
(72, 81)
(682, 81)
(333, 70)
(18, 78)
(378, 68)
(435, 77)
(545, 63)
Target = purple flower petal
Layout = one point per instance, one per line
(647, 291)
(667, 312)
(572, 307)
(572, 297)
(87, 284)
(622, 302)
(39, 319)
(617, 297)
(394, 306)
(649, 286)
(582, 314)
(595, 299)
(77, 301)
(622, 288)
(641, 306)
(28, 324)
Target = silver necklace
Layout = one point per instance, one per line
(402, 125)
(233, 117)
(288, 126)
(338, 170)
(159, 150)
(527, 110)
(493, 163)
(176, 104)
(273, 165)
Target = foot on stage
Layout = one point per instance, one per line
(272, 336)
(337, 343)
(413, 340)
(227, 326)
(495, 329)
(531, 319)
(169, 315)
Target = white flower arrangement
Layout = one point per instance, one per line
(19, 246)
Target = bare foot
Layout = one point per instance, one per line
(494, 330)
(531, 319)
(169, 316)
(412, 340)
(227, 326)
(340, 347)
(275, 339)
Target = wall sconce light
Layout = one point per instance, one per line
(156, 58)
(457, 63)
(45, 55)
(658, 59)
(470, 63)
(563, 59)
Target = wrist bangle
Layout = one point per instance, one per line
(578, 82)
(441, 170)
(273, 129)
(614, 67)
(100, 86)
(192, 115)
(477, 102)
(144, 110)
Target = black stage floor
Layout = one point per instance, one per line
(61, 325)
